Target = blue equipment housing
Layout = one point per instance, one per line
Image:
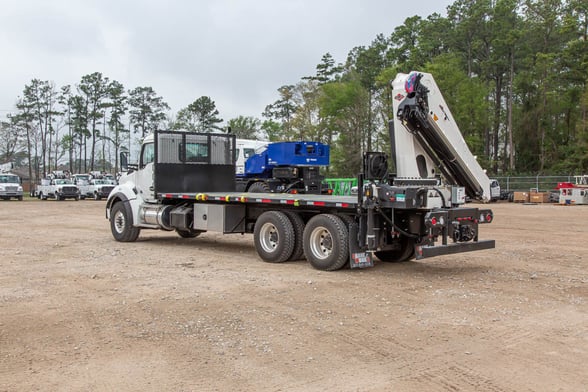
(286, 154)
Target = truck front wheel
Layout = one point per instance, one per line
(326, 242)
(274, 237)
(121, 223)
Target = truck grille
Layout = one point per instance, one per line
(69, 190)
(11, 188)
(106, 190)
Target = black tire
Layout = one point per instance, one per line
(188, 233)
(42, 196)
(19, 198)
(405, 253)
(349, 220)
(326, 242)
(97, 196)
(121, 223)
(274, 237)
(259, 187)
(298, 226)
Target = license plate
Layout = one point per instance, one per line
(361, 260)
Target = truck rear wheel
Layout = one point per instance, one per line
(298, 226)
(274, 237)
(404, 253)
(121, 223)
(326, 242)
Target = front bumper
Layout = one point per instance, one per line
(10, 193)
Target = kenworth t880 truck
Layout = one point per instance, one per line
(184, 182)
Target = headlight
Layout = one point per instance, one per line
(2, 188)
(20, 188)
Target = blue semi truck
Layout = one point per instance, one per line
(285, 167)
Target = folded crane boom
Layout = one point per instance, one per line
(425, 137)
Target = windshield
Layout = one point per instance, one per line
(62, 182)
(9, 179)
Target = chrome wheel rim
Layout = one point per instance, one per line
(321, 243)
(268, 237)
(119, 222)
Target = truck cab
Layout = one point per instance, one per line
(10, 186)
(245, 149)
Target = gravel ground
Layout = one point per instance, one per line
(79, 311)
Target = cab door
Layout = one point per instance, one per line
(144, 176)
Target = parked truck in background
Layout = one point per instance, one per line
(184, 182)
(100, 188)
(574, 193)
(96, 185)
(10, 183)
(82, 181)
(58, 185)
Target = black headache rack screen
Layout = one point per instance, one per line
(194, 162)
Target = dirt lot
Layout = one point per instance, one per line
(79, 311)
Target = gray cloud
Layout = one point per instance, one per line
(236, 52)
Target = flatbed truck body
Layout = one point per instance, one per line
(184, 182)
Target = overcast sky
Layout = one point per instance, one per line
(236, 52)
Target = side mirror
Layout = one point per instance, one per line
(124, 161)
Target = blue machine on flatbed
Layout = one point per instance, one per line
(286, 167)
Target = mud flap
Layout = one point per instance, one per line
(357, 257)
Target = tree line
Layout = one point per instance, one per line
(514, 73)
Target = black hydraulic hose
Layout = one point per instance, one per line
(442, 197)
(443, 201)
(401, 231)
(291, 186)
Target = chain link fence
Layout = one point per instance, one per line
(538, 183)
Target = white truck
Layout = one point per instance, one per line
(184, 182)
(100, 188)
(245, 149)
(10, 184)
(82, 181)
(94, 185)
(57, 186)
